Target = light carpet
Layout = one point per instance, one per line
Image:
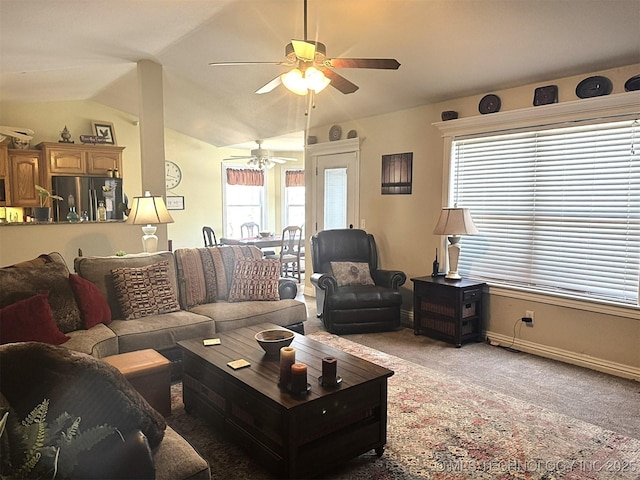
(440, 427)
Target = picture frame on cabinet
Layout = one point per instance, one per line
(175, 203)
(104, 130)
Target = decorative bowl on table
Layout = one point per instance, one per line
(265, 234)
(274, 339)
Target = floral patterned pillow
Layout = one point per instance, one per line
(352, 273)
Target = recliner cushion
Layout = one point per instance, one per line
(362, 297)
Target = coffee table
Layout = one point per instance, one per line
(293, 436)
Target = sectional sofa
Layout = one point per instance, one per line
(119, 304)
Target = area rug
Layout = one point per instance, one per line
(440, 427)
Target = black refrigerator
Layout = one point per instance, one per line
(87, 193)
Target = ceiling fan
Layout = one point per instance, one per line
(262, 158)
(311, 71)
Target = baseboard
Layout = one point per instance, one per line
(587, 361)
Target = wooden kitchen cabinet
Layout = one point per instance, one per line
(24, 175)
(81, 159)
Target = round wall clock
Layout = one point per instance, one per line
(489, 104)
(594, 87)
(172, 174)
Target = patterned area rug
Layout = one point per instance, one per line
(440, 427)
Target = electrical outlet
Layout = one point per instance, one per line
(363, 223)
(530, 314)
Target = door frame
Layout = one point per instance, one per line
(313, 153)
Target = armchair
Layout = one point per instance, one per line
(350, 299)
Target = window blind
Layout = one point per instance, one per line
(558, 209)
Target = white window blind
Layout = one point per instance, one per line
(558, 210)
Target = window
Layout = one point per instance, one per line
(558, 209)
(244, 198)
(293, 212)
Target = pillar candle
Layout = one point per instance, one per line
(287, 358)
(329, 370)
(298, 378)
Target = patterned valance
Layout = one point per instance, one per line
(294, 178)
(245, 176)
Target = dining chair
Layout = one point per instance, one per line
(209, 237)
(249, 230)
(289, 255)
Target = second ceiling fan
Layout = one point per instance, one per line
(312, 70)
(262, 158)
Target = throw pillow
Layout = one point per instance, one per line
(144, 291)
(255, 280)
(30, 320)
(21, 283)
(94, 308)
(352, 273)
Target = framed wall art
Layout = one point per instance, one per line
(175, 203)
(105, 131)
(397, 174)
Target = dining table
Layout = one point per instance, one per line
(260, 241)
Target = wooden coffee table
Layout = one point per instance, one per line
(292, 436)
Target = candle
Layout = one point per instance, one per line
(329, 370)
(298, 378)
(287, 358)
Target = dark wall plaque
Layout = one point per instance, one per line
(397, 173)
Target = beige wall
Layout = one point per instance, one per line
(403, 226)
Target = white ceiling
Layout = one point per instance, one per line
(79, 49)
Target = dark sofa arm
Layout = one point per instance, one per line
(287, 288)
(389, 278)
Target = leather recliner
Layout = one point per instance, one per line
(354, 308)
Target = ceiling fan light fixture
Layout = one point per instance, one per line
(294, 81)
(316, 80)
(300, 83)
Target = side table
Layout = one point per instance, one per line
(448, 310)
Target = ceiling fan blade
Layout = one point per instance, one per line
(218, 64)
(305, 51)
(283, 159)
(339, 82)
(381, 63)
(269, 86)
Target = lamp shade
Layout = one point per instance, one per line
(148, 210)
(455, 221)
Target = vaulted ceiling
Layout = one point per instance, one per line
(79, 49)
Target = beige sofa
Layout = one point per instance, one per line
(196, 317)
(200, 283)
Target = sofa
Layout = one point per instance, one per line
(70, 413)
(119, 304)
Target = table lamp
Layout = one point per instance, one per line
(454, 222)
(145, 211)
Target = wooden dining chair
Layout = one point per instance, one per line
(290, 250)
(249, 230)
(209, 237)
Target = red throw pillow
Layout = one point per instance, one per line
(94, 308)
(30, 320)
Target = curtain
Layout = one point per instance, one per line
(294, 178)
(245, 176)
